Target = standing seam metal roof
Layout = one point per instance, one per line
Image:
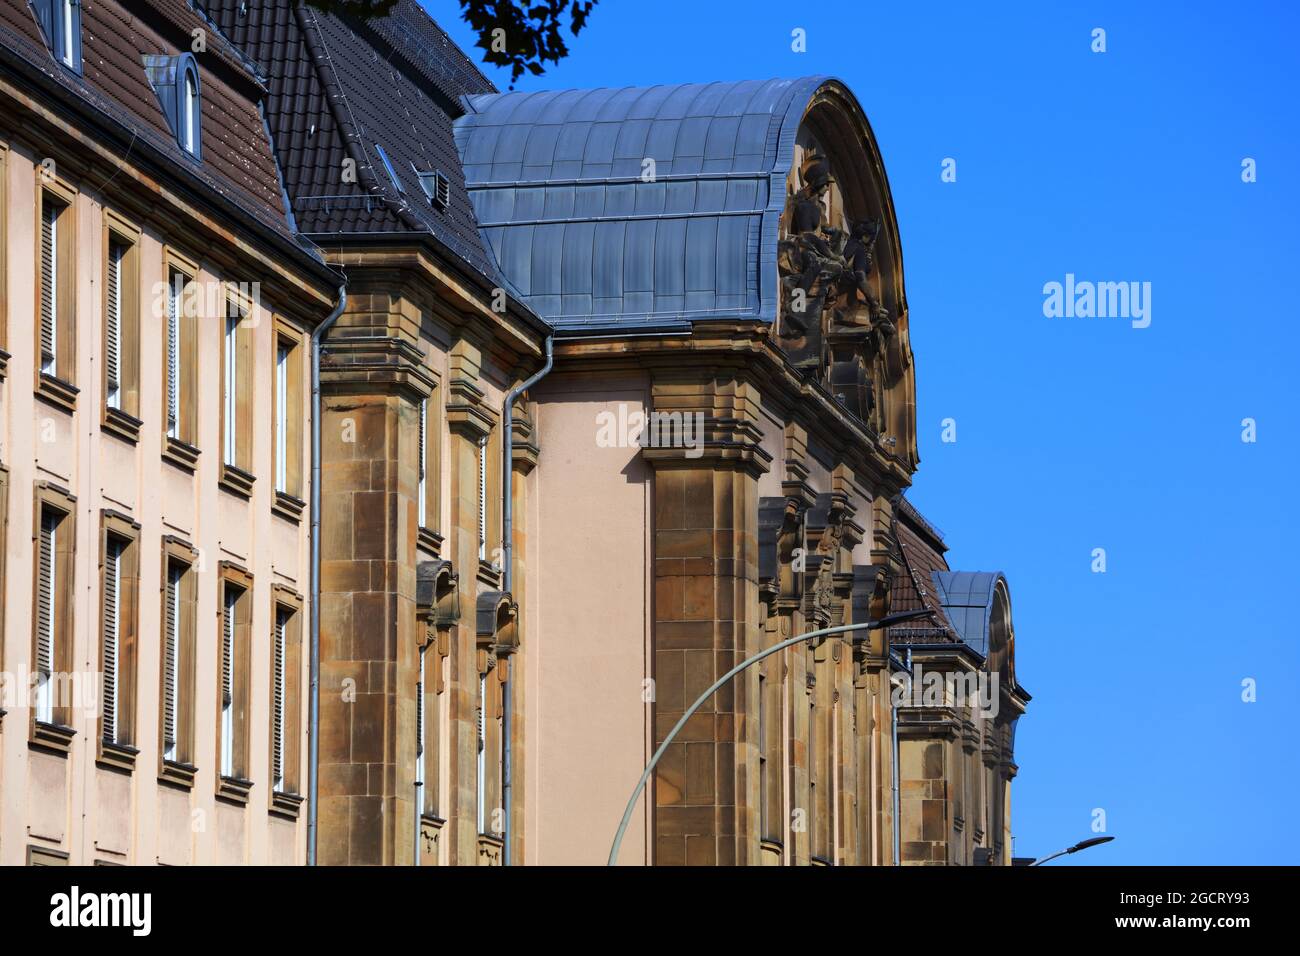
(585, 234)
(967, 598)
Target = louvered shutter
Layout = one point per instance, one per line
(113, 325)
(45, 597)
(173, 354)
(422, 488)
(228, 650)
(277, 716)
(112, 585)
(49, 278)
(170, 621)
(482, 499)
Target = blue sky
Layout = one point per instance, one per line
(1082, 433)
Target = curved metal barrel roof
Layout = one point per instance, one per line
(591, 237)
(967, 599)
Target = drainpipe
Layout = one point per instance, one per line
(313, 725)
(507, 533)
(893, 720)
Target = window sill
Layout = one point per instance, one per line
(181, 454)
(430, 541)
(285, 804)
(57, 392)
(54, 738)
(122, 424)
(234, 790)
(288, 507)
(489, 850)
(178, 774)
(236, 481)
(116, 756)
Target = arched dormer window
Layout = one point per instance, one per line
(176, 83)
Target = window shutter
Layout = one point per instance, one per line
(482, 499)
(45, 597)
(277, 713)
(173, 354)
(421, 486)
(113, 345)
(228, 648)
(112, 581)
(49, 276)
(169, 659)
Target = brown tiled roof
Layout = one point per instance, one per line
(237, 160)
(920, 552)
(337, 87)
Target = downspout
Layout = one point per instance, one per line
(507, 533)
(313, 720)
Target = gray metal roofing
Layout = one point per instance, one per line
(967, 599)
(588, 240)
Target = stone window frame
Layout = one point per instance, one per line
(124, 419)
(181, 449)
(430, 415)
(286, 800)
(287, 502)
(234, 786)
(55, 735)
(121, 752)
(59, 387)
(180, 770)
(237, 476)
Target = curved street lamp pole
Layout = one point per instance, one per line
(1082, 845)
(663, 747)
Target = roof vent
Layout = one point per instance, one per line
(392, 173)
(437, 187)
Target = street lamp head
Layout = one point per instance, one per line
(1087, 843)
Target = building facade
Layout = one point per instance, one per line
(616, 391)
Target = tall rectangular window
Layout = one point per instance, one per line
(482, 497)
(121, 328)
(54, 539)
(288, 416)
(46, 613)
(481, 790)
(422, 484)
(282, 353)
(180, 362)
(51, 210)
(234, 639)
(56, 319)
(286, 702)
(176, 694)
(119, 591)
(230, 379)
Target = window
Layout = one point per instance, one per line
(121, 327)
(61, 23)
(176, 715)
(388, 166)
(54, 541)
(770, 711)
(286, 701)
(56, 294)
(482, 497)
(237, 399)
(176, 83)
(4, 260)
(234, 638)
(422, 469)
(480, 789)
(287, 421)
(119, 589)
(180, 362)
